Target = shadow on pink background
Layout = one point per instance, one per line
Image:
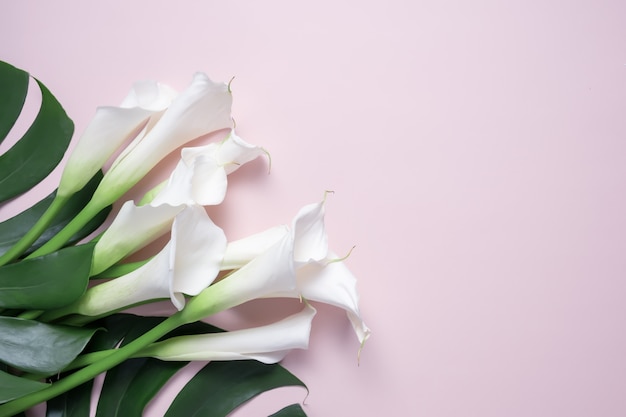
(477, 154)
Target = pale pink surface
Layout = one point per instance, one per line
(477, 154)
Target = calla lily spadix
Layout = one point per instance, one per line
(109, 129)
(186, 265)
(267, 344)
(199, 178)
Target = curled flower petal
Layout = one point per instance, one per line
(109, 129)
(198, 249)
(231, 153)
(132, 229)
(201, 180)
(332, 283)
(149, 95)
(268, 344)
(311, 241)
(202, 108)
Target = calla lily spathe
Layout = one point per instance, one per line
(202, 108)
(186, 265)
(320, 275)
(268, 344)
(109, 129)
(331, 282)
(199, 178)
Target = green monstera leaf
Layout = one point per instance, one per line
(42, 147)
(216, 390)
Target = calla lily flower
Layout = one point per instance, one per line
(298, 265)
(132, 229)
(109, 129)
(268, 344)
(331, 282)
(202, 108)
(271, 272)
(199, 178)
(320, 275)
(186, 265)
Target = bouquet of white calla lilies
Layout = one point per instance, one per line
(198, 270)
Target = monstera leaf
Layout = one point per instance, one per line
(215, 391)
(41, 148)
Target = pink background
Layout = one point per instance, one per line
(477, 152)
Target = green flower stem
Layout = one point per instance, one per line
(73, 227)
(88, 373)
(88, 359)
(30, 314)
(38, 228)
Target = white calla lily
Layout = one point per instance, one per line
(109, 129)
(268, 344)
(331, 282)
(271, 272)
(132, 229)
(202, 108)
(320, 276)
(298, 265)
(186, 265)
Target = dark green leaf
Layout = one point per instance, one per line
(41, 148)
(13, 229)
(74, 403)
(220, 387)
(129, 387)
(14, 86)
(216, 390)
(12, 387)
(293, 410)
(47, 282)
(39, 347)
